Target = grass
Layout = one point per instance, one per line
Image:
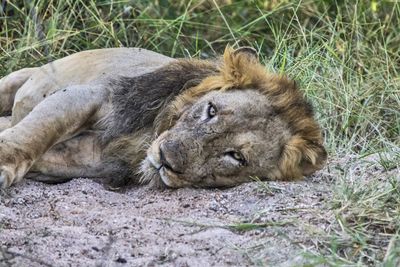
(367, 229)
(237, 227)
(344, 54)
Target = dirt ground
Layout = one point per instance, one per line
(80, 223)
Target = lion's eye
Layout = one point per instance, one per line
(237, 156)
(211, 110)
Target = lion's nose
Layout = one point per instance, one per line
(170, 157)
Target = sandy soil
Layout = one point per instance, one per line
(80, 223)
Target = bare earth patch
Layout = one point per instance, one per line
(81, 223)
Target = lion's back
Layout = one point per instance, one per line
(96, 67)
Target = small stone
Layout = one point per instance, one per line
(214, 206)
(120, 260)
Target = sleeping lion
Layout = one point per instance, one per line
(133, 115)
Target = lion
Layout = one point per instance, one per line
(135, 116)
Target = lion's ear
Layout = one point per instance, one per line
(241, 67)
(301, 157)
(247, 51)
(313, 160)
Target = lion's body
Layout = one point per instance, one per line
(92, 114)
(77, 152)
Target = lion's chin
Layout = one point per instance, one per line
(150, 175)
(158, 183)
(169, 178)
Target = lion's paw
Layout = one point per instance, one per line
(13, 165)
(6, 179)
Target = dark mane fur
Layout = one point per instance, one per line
(137, 101)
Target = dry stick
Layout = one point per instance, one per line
(39, 30)
(106, 249)
(16, 254)
(42, 38)
(3, 8)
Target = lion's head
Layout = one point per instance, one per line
(239, 123)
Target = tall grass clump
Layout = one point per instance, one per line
(344, 54)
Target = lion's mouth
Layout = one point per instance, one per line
(163, 168)
(164, 171)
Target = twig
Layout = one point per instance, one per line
(13, 255)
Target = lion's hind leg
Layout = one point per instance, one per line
(80, 156)
(9, 86)
(76, 157)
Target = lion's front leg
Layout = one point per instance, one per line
(14, 161)
(60, 116)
